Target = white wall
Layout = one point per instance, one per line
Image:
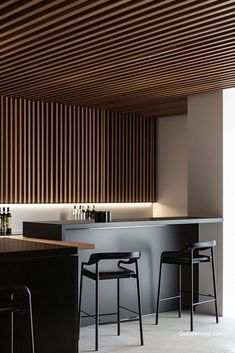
(172, 167)
(228, 198)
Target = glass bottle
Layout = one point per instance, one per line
(93, 212)
(9, 221)
(74, 212)
(88, 213)
(0, 220)
(4, 222)
(83, 213)
(79, 215)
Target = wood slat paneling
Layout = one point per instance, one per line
(142, 57)
(54, 153)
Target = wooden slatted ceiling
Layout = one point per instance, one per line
(142, 56)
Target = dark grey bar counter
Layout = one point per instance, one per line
(56, 230)
(151, 236)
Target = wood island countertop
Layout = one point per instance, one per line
(57, 243)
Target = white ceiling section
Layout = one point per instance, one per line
(142, 56)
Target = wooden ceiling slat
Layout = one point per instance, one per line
(70, 81)
(125, 31)
(191, 43)
(114, 73)
(52, 19)
(153, 93)
(203, 86)
(57, 23)
(134, 78)
(14, 7)
(71, 28)
(109, 72)
(141, 56)
(159, 92)
(6, 3)
(20, 21)
(84, 60)
(106, 63)
(125, 83)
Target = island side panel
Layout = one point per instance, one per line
(42, 230)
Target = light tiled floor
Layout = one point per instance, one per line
(172, 335)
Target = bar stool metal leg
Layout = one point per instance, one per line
(80, 305)
(12, 328)
(139, 304)
(30, 318)
(158, 292)
(214, 284)
(97, 309)
(118, 306)
(179, 300)
(31, 322)
(191, 295)
(12, 333)
(195, 267)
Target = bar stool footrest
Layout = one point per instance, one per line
(93, 315)
(121, 321)
(130, 310)
(169, 298)
(204, 301)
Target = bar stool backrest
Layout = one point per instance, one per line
(14, 288)
(205, 245)
(132, 257)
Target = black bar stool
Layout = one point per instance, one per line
(189, 256)
(15, 299)
(119, 272)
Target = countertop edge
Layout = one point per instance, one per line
(119, 223)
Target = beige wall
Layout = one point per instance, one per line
(205, 179)
(205, 154)
(172, 167)
(190, 180)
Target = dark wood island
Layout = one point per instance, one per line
(50, 271)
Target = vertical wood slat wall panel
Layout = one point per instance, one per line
(55, 153)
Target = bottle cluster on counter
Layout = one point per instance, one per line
(83, 213)
(5, 221)
(88, 213)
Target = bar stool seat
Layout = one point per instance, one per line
(189, 256)
(109, 273)
(176, 257)
(17, 299)
(99, 268)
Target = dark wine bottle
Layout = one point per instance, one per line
(9, 221)
(3, 222)
(93, 212)
(83, 213)
(88, 213)
(79, 215)
(0, 220)
(75, 212)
